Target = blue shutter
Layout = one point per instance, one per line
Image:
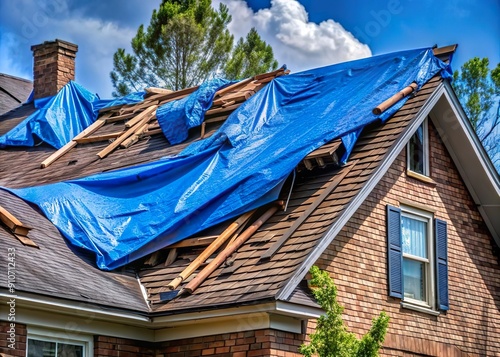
(441, 238)
(394, 252)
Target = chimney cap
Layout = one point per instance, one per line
(60, 43)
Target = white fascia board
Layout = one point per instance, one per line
(474, 144)
(231, 324)
(275, 307)
(68, 307)
(214, 326)
(77, 319)
(470, 158)
(79, 324)
(347, 213)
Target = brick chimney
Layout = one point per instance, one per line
(53, 66)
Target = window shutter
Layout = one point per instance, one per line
(441, 235)
(394, 252)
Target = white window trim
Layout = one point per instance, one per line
(426, 173)
(59, 336)
(430, 280)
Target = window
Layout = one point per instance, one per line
(417, 258)
(49, 343)
(418, 151)
(41, 348)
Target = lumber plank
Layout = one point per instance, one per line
(268, 74)
(135, 137)
(212, 248)
(227, 104)
(228, 250)
(178, 94)
(152, 132)
(111, 147)
(14, 224)
(146, 113)
(9, 219)
(98, 138)
(231, 87)
(120, 118)
(70, 145)
(222, 110)
(146, 104)
(150, 91)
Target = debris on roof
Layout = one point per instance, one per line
(17, 228)
(127, 214)
(57, 120)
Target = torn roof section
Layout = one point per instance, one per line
(268, 266)
(127, 214)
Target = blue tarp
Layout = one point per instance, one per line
(177, 117)
(61, 117)
(127, 214)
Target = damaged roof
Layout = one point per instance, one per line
(269, 265)
(14, 91)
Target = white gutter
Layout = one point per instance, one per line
(276, 307)
(69, 307)
(55, 313)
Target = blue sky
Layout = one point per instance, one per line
(304, 34)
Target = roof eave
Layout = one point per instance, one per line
(469, 156)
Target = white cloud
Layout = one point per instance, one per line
(97, 42)
(296, 41)
(31, 23)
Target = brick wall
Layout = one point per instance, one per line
(20, 339)
(265, 342)
(53, 66)
(359, 268)
(105, 346)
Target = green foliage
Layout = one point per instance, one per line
(250, 57)
(186, 43)
(478, 90)
(331, 337)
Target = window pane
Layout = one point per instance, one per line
(413, 275)
(414, 234)
(38, 348)
(416, 151)
(64, 350)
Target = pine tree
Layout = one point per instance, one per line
(186, 43)
(250, 57)
(478, 89)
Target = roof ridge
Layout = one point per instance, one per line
(15, 77)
